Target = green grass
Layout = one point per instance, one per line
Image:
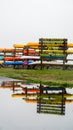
(51, 76)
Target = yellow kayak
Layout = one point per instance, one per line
(1, 49)
(22, 95)
(58, 51)
(33, 44)
(1, 62)
(19, 45)
(29, 44)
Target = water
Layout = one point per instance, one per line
(25, 108)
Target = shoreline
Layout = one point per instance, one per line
(52, 77)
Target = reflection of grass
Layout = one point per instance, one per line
(51, 77)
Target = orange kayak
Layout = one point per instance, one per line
(33, 90)
(8, 50)
(31, 100)
(1, 49)
(31, 51)
(12, 58)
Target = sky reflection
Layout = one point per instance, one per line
(16, 113)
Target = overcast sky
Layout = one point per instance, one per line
(22, 21)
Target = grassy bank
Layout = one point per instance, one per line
(51, 77)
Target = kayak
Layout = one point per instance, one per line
(46, 97)
(30, 100)
(1, 49)
(16, 62)
(8, 50)
(53, 51)
(29, 44)
(16, 45)
(55, 57)
(30, 57)
(33, 90)
(33, 44)
(12, 58)
(29, 51)
(49, 102)
(22, 95)
(1, 57)
(1, 62)
(13, 63)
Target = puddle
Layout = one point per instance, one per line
(32, 106)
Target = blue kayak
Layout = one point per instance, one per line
(1, 57)
(13, 63)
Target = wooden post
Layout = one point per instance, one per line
(63, 102)
(41, 43)
(65, 54)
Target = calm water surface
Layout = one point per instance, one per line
(27, 107)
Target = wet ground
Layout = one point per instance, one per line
(7, 79)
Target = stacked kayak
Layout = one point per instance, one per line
(12, 58)
(13, 63)
(1, 62)
(32, 52)
(29, 44)
(16, 62)
(33, 44)
(16, 45)
(30, 57)
(29, 52)
(1, 57)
